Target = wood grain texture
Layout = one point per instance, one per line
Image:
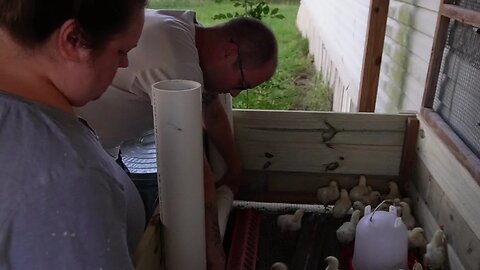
(450, 193)
(456, 146)
(429, 223)
(338, 143)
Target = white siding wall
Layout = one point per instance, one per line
(336, 31)
(406, 53)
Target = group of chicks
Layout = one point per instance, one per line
(357, 198)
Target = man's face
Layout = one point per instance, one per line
(234, 78)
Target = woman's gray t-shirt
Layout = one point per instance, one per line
(64, 202)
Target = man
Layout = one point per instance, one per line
(225, 58)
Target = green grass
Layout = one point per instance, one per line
(295, 85)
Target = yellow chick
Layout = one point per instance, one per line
(393, 193)
(279, 266)
(358, 205)
(417, 266)
(407, 200)
(416, 238)
(346, 232)
(360, 190)
(290, 222)
(396, 203)
(329, 193)
(342, 205)
(435, 256)
(407, 216)
(373, 198)
(332, 263)
(385, 206)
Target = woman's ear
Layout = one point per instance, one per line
(70, 42)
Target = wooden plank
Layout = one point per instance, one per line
(461, 14)
(148, 254)
(317, 121)
(427, 221)
(353, 137)
(305, 157)
(439, 41)
(372, 58)
(340, 143)
(453, 180)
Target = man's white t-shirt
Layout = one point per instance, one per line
(166, 50)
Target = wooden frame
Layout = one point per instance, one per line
(445, 194)
(447, 173)
(458, 148)
(372, 59)
(446, 13)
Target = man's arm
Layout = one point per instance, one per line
(216, 259)
(220, 133)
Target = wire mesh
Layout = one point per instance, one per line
(469, 4)
(302, 249)
(457, 97)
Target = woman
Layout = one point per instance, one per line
(64, 203)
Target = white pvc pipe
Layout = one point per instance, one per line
(285, 207)
(177, 109)
(268, 206)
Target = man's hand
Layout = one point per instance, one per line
(232, 178)
(219, 132)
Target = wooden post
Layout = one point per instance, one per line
(435, 58)
(409, 151)
(372, 59)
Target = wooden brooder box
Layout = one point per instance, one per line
(287, 155)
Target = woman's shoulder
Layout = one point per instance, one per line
(39, 141)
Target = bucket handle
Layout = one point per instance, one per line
(378, 206)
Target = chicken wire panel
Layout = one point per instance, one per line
(273, 245)
(457, 96)
(303, 249)
(469, 4)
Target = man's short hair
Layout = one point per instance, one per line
(256, 42)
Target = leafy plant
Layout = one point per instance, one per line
(251, 8)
